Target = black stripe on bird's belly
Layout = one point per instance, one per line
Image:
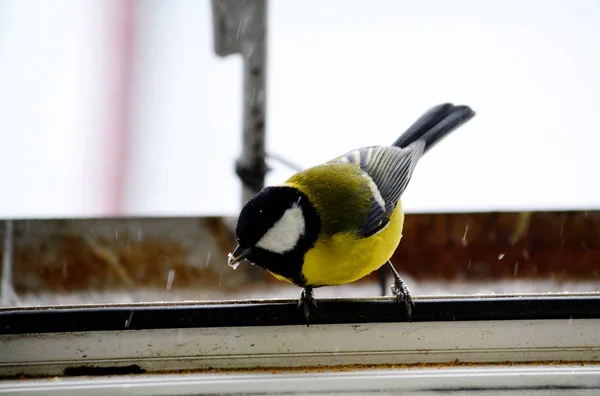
(288, 265)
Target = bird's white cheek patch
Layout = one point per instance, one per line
(285, 233)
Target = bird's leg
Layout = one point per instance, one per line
(307, 298)
(400, 290)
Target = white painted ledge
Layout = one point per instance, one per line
(575, 340)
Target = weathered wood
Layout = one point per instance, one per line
(105, 254)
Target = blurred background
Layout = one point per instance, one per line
(122, 110)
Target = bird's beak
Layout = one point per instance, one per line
(239, 254)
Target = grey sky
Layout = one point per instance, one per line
(342, 74)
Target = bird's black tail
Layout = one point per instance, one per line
(436, 123)
(431, 127)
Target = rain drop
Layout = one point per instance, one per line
(170, 279)
(501, 256)
(207, 261)
(221, 275)
(128, 321)
(239, 30)
(464, 238)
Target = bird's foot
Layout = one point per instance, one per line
(400, 290)
(307, 299)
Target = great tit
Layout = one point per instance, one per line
(337, 222)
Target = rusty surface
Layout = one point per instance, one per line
(190, 253)
(361, 367)
(71, 255)
(135, 369)
(484, 246)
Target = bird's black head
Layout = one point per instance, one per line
(275, 229)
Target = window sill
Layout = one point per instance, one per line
(159, 338)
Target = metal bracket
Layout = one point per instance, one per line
(240, 27)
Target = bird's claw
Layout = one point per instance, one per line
(307, 299)
(400, 290)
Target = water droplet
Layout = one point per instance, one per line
(464, 238)
(170, 279)
(128, 321)
(501, 256)
(239, 31)
(207, 261)
(221, 275)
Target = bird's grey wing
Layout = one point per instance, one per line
(390, 169)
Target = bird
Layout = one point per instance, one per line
(337, 222)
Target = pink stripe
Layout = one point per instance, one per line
(122, 21)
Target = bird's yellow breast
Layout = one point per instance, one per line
(343, 258)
